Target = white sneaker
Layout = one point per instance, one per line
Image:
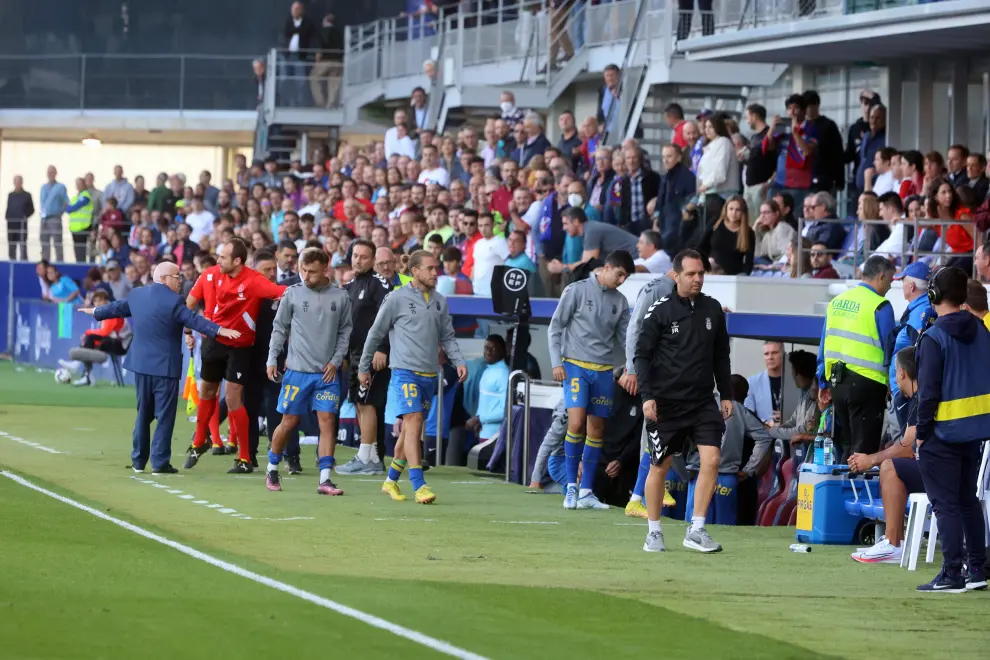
(74, 367)
(82, 382)
(589, 501)
(570, 497)
(883, 552)
(654, 542)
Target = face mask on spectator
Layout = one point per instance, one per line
(506, 107)
(575, 200)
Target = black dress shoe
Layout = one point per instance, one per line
(295, 467)
(164, 469)
(254, 461)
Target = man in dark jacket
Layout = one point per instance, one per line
(952, 426)
(328, 63)
(867, 99)
(301, 36)
(682, 351)
(829, 170)
(20, 207)
(676, 188)
(157, 316)
(636, 189)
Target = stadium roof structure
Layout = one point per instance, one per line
(884, 35)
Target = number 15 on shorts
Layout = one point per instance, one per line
(410, 391)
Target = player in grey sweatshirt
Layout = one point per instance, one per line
(417, 322)
(316, 316)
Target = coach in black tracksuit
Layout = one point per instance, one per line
(367, 292)
(682, 351)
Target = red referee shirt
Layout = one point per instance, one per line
(237, 302)
(205, 290)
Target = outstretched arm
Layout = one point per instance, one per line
(118, 309)
(186, 317)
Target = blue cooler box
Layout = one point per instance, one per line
(831, 507)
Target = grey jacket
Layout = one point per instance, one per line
(553, 441)
(743, 422)
(416, 327)
(654, 290)
(804, 419)
(590, 321)
(320, 323)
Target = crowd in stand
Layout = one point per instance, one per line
(764, 205)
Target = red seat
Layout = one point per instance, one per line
(789, 505)
(770, 481)
(768, 512)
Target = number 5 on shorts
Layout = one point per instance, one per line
(410, 391)
(575, 385)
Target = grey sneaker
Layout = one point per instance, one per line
(589, 501)
(654, 542)
(700, 541)
(357, 466)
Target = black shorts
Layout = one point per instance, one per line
(910, 474)
(375, 394)
(675, 435)
(222, 362)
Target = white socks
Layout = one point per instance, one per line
(697, 522)
(324, 475)
(368, 454)
(654, 526)
(584, 492)
(572, 485)
(272, 467)
(636, 498)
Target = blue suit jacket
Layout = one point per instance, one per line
(157, 318)
(760, 398)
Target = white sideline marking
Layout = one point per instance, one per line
(432, 643)
(29, 443)
(525, 522)
(483, 482)
(285, 519)
(405, 520)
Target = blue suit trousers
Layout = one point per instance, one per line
(157, 397)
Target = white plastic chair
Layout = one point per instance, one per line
(918, 509)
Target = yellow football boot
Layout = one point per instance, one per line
(391, 488)
(635, 509)
(668, 499)
(425, 496)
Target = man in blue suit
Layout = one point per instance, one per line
(155, 356)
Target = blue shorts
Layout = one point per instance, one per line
(411, 392)
(302, 392)
(587, 389)
(725, 502)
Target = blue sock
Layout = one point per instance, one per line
(573, 446)
(327, 462)
(416, 477)
(644, 471)
(395, 469)
(592, 452)
(274, 458)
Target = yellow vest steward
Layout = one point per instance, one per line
(81, 218)
(851, 334)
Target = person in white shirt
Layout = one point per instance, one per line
(489, 251)
(402, 144)
(200, 221)
(880, 178)
(432, 172)
(892, 210)
(718, 170)
(399, 118)
(652, 258)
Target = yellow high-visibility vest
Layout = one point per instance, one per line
(851, 334)
(82, 218)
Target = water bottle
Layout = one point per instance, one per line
(819, 458)
(829, 452)
(799, 547)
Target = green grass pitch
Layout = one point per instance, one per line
(576, 585)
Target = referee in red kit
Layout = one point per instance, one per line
(239, 291)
